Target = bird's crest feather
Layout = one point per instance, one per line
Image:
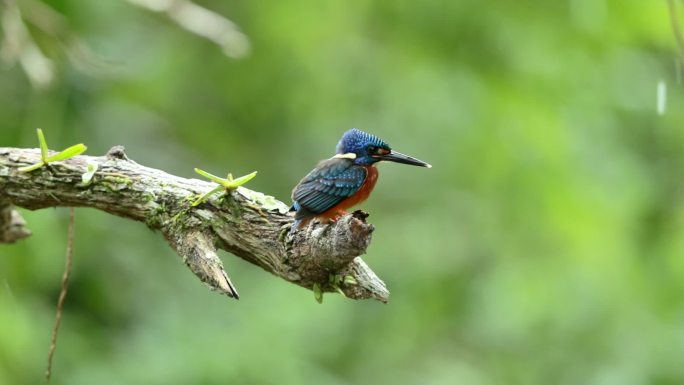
(354, 140)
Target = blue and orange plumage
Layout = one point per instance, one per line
(344, 180)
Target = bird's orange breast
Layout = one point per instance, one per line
(360, 196)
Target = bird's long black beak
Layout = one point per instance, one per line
(401, 158)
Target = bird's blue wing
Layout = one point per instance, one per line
(331, 182)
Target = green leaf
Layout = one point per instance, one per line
(31, 167)
(45, 159)
(228, 183)
(337, 288)
(318, 294)
(243, 179)
(349, 280)
(70, 152)
(204, 196)
(88, 175)
(43, 145)
(212, 177)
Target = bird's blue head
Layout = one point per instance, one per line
(367, 149)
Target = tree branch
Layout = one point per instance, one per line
(249, 224)
(676, 29)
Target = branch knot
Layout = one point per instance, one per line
(117, 152)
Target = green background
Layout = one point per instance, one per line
(544, 247)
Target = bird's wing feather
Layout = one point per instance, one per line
(331, 182)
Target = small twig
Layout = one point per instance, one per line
(676, 29)
(62, 293)
(202, 22)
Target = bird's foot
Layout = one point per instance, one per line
(339, 214)
(329, 220)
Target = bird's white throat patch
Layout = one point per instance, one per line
(349, 155)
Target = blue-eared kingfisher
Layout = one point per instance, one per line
(344, 180)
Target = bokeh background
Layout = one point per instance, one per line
(544, 247)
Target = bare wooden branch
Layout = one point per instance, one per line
(676, 29)
(249, 224)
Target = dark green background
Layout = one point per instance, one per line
(544, 247)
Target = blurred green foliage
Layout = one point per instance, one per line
(544, 247)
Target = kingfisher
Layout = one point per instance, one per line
(344, 180)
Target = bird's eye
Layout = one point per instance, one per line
(375, 151)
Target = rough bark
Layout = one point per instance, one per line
(249, 224)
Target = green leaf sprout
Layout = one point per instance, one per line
(87, 177)
(226, 184)
(318, 294)
(45, 158)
